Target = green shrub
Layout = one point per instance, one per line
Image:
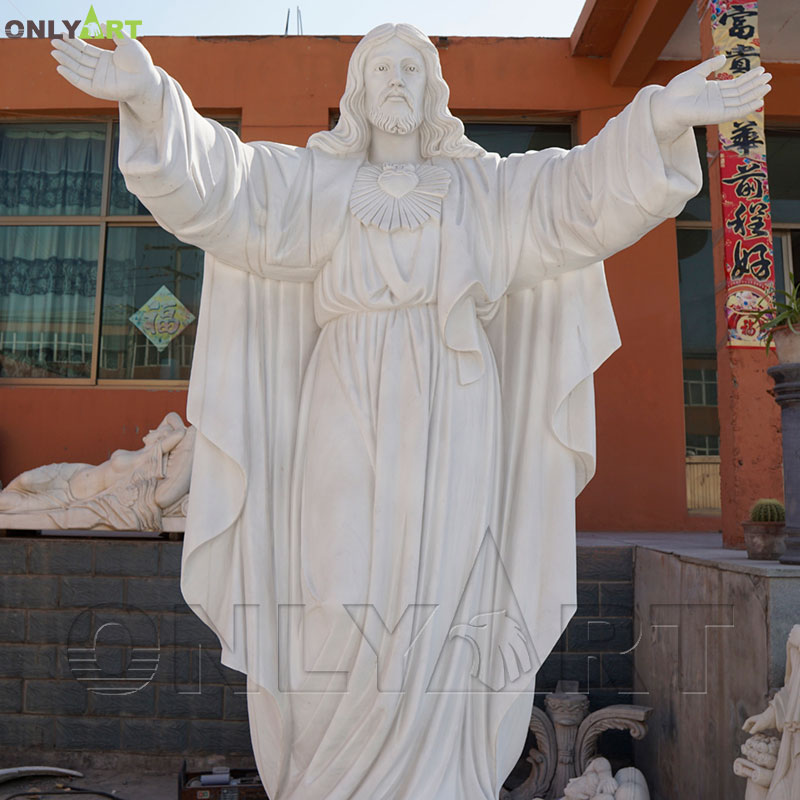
(780, 313)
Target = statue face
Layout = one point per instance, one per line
(157, 434)
(153, 436)
(394, 82)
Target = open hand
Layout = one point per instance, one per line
(689, 99)
(123, 74)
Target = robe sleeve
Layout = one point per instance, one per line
(781, 703)
(567, 209)
(246, 204)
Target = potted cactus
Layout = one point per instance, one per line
(764, 535)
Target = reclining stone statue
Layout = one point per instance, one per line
(131, 491)
(392, 389)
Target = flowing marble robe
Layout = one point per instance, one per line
(391, 421)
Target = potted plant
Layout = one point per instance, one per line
(780, 321)
(764, 535)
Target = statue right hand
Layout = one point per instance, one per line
(761, 722)
(125, 74)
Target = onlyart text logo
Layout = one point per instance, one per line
(89, 28)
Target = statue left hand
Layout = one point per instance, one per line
(689, 99)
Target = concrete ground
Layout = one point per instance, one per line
(125, 776)
(123, 785)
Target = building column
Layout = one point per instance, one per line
(787, 396)
(750, 449)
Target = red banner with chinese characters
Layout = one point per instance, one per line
(749, 261)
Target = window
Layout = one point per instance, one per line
(783, 161)
(700, 387)
(698, 310)
(91, 289)
(506, 138)
(698, 332)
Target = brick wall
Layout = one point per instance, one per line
(56, 593)
(53, 593)
(593, 648)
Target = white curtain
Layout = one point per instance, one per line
(51, 168)
(48, 275)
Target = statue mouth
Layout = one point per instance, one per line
(398, 96)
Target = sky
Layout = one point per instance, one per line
(319, 17)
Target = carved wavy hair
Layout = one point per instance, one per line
(441, 134)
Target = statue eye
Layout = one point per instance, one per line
(412, 68)
(382, 68)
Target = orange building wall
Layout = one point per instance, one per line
(284, 89)
(49, 424)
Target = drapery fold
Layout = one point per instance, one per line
(519, 241)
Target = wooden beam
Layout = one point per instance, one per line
(599, 26)
(649, 27)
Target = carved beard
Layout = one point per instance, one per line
(394, 122)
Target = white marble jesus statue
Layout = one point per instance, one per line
(392, 388)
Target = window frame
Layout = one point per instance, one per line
(103, 221)
(533, 118)
(780, 231)
(498, 118)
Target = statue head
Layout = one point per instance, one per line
(172, 422)
(441, 134)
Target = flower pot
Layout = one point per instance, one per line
(765, 541)
(787, 344)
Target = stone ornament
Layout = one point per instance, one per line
(772, 765)
(599, 783)
(135, 490)
(566, 741)
(394, 407)
(566, 711)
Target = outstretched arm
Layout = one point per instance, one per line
(195, 176)
(592, 201)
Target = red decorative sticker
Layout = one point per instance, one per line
(749, 259)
